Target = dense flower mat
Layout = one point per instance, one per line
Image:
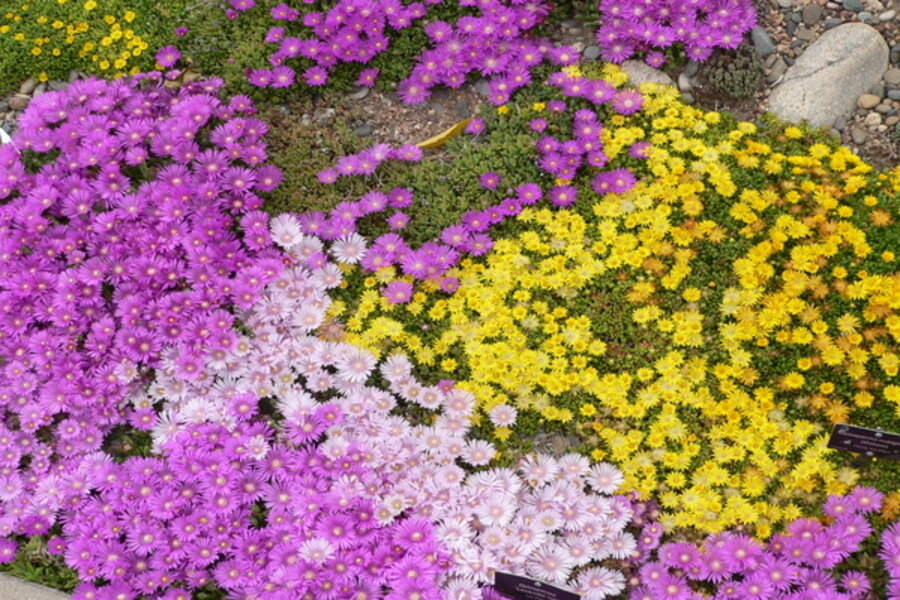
(202, 401)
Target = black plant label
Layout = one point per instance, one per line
(525, 588)
(871, 443)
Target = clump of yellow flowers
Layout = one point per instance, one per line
(93, 36)
(702, 330)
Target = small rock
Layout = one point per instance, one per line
(795, 17)
(684, 83)
(463, 111)
(692, 68)
(19, 102)
(687, 97)
(761, 41)
(790, 60)
(569, 24)
(359, 93)
(832, 22)
(895, 54)
(28, 86)
(884, 108)
(840, 123)
(892, 120)
(875, 5)
(73, 76)
(806, 34)
(284, 110)
(770, 60)
(835, 133)
(640, 72)
(877, 90)
(483, 87)
(785, 3)
(778, 69)
(811, 14)
(591, 52)
(892, 76)
(858, 135)
(791, 28)
(887, 15)
(894, 94)
(881, 128)
(872, 120)
(854, 5)
(865, 16)
(323, 116)
(39, 90)
(364, 130)
(868, 101)
(58, 86)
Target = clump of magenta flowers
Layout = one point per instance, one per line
(496, 43)
(805, 561)
(327, 492)
(129, 226)
(628, 27)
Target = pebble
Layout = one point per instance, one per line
(831, 22)
(872, 120)
(791, 28)
(892, 120)
(868, 101)
(39, 90)
(884, 108)
(811, 14)
(684, 83)
(865, 16)
(73, 76)
(806, 34)
(28, 86)
(887, 15)
(359, 93)
(19, 102)
(687, 97)
(778, 69)
(840, 123)
(892, 76)
(483, 87)
(364, 130)
(894, 94)
(692, 68)
(875, 5)
(569, 24)
(854, 5)
(591, 52)
(858, 135)
(785, 3)
(463, 111)
(895, 54)
(877, 90)
(58, 86)
(762, 42)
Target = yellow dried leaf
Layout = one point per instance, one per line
(442, 138)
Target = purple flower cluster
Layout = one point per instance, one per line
(563, 159)
(351, 31)
(367, 161)
(494, 43)
(630, 26)
(890, 554)
(123, 244)
(330, 495)
(794, 565)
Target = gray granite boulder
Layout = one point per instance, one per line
(824, 83)
(640, 72)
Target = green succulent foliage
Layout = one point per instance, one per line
(34, 563)
(736, 73)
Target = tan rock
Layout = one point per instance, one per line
(868, 101)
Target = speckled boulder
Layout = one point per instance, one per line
(824, 83)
